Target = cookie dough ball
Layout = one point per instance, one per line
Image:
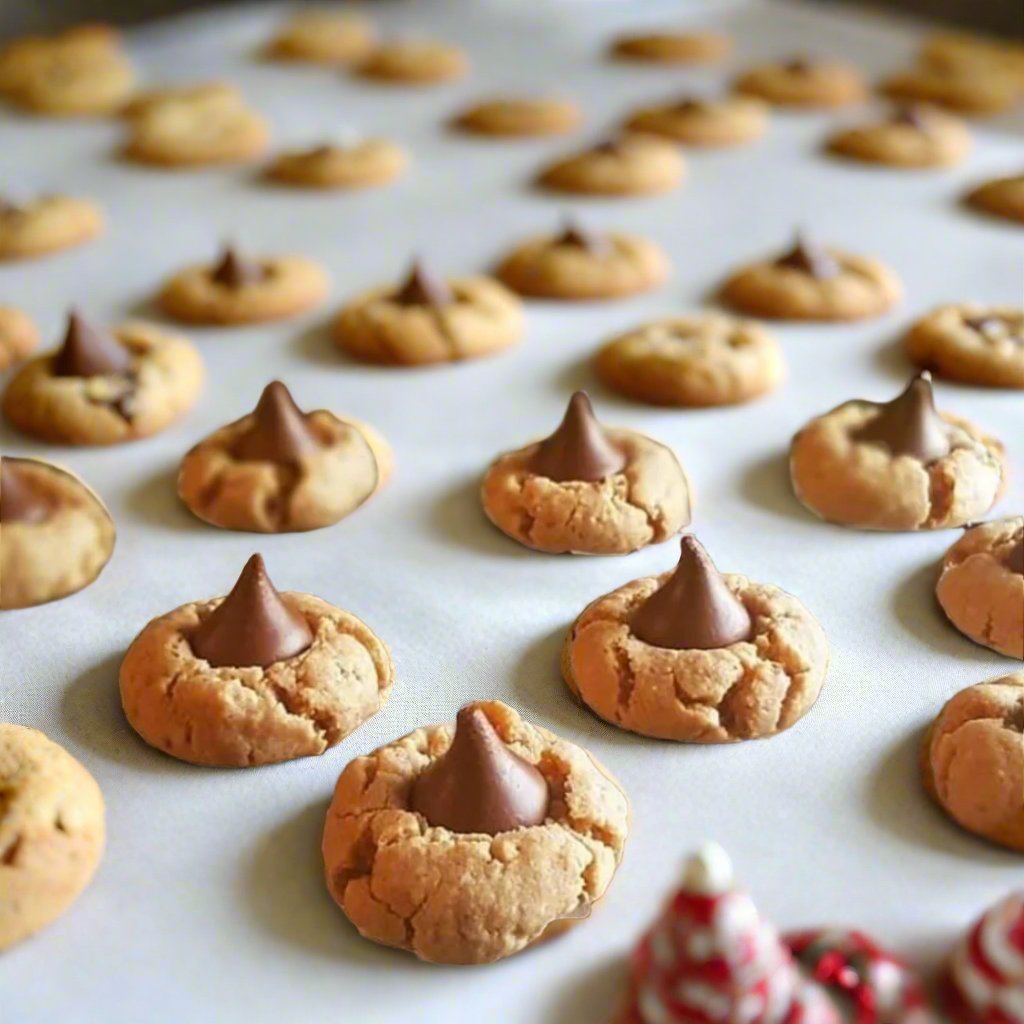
(101, 388)
(253, 678)
(1002, 197)
(708, 359)
(912, 137)
(46, 225)
(707, 123)
(698, 47)
(631, 165)
(429, 320)
(696, 656)
(967, 89)
(804, 82)
(588, 489)
(322, 37)
(56, 536)
(279, 469)
(511, 117)
(18, 336)
(364, 164)
(971, 343)
(973, 760)
(981, 585)
(466, 848)
(414, 62)
(52, 831)
(811, 282)
(896, 465)
(581, 264)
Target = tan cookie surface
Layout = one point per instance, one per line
(49, 559)
(361, 165)
(324, 487)
(973, 760)
(464, 898)
(146, 100)
(510, 117)
(973, 89)
(860, 484)
(729, 121)
(709, 359)
(484, 318)
(647, 502)
(1002, 197)
(981, 591)
(322, 37)
(47, 225)
(52, 831)
(699, 47)
(414, 62)
(804, 83)
(934, 140)
(632, 165)
(18, 336)
(748, 690)
(971, 343)
(240, 717)
(164, 382)
(23, 57)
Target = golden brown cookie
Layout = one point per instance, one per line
(18, 337)
(973, 760)
(20, 59)
(981, 585)
(414, 62)
(55, 533)
(189, 92)
(969, 50)
(52, 831)
(702, 360)
(696, 47)
(971, 343)
(1001, 197)
(46, 225)
(471, 897)
(322, 37)
(630, 165)
(804, 82)
(365, 163)
(253, 678)
(973, 89)
(729, 121)
(510, 117)
(910, 137)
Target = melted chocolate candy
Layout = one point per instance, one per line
(909, 424)
(279, 431)
(1015, 556)
(423, 288)
(579, 449)
(20, 500)
(799, 65)
(912, 117)
(811, 258)
(576, 235)
(88, 352)
(235, 270)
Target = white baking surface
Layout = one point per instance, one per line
(209, 905)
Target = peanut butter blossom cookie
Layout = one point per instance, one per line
(55, 534)
(148, 99)
(414, 62)
(52, 831)
(964, 49)
(322, 37)
(253, 678)
(526, 118)
(697, 47)
(911, 137)
(707, 359)
(240, 290)
(1002, 197)
(710, 123)
(896, 465)
(981, 585)
(971, 89)
(582, 264)
(427, 319)
(46, 225)
(18, 336)
(466, 846)
(630, 165)
(973, 760)
(280, 469)
(696, 656)
(364, 163)
(804, 82)
(588, 489)
(104, 388)
(811, 282)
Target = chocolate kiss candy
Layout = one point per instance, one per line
(579, 449)
(984, 323)
(87, 352)
(1014, 560)
(809, 257)
(914, 117)
(693, 609)
(573, 233)
(20, 502)
(422, 288)
(235, 270)
(279, 432)
(478, 784)
(252, 625)
(909, 424)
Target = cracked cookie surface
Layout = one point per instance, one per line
(630, 165)
(364, 164)
(466, 898)
(240, 717)
(748, 690)
(729, 121)
(804, 83)
(322, 37)
(1001, 197)
(929, 139)
(519, 118)
(52, 831)
(967, 89)
(47, 225)
(18, 336)
(414, 62)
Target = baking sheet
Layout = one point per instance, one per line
(209, 905)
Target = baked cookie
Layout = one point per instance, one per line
(968, 50)
(52, 831)
(55, 534)
(240, 290)
(630, 165)
(429, 320)
(968, 89)
(973, 759)
(46, 225)
(100, 388)
(697, 47)
(911, 137)
(580, 264)
(523, 118)
(707, 123)
(18, 336)
(280, 470)
(363, 164)
(804, 82)
(253, 678)
(696, 656)
(588, 489)
(811, 282)
(981, 585)
(1002, 197)
(466, 848)
(707, 359)
(206, 126)
(189, 92)
(896, 465)
(322, 37)
(414, 62)
(21, 58)
(971, 343)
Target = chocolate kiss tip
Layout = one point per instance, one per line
(235, 270)
(573, 233)
(579, 449)
(19, 501)
(909, 424)
(423, 288)
(479, 784)
(808, 256)
(694, 609)
(252, 626)
(279, 431)
(88, 352)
